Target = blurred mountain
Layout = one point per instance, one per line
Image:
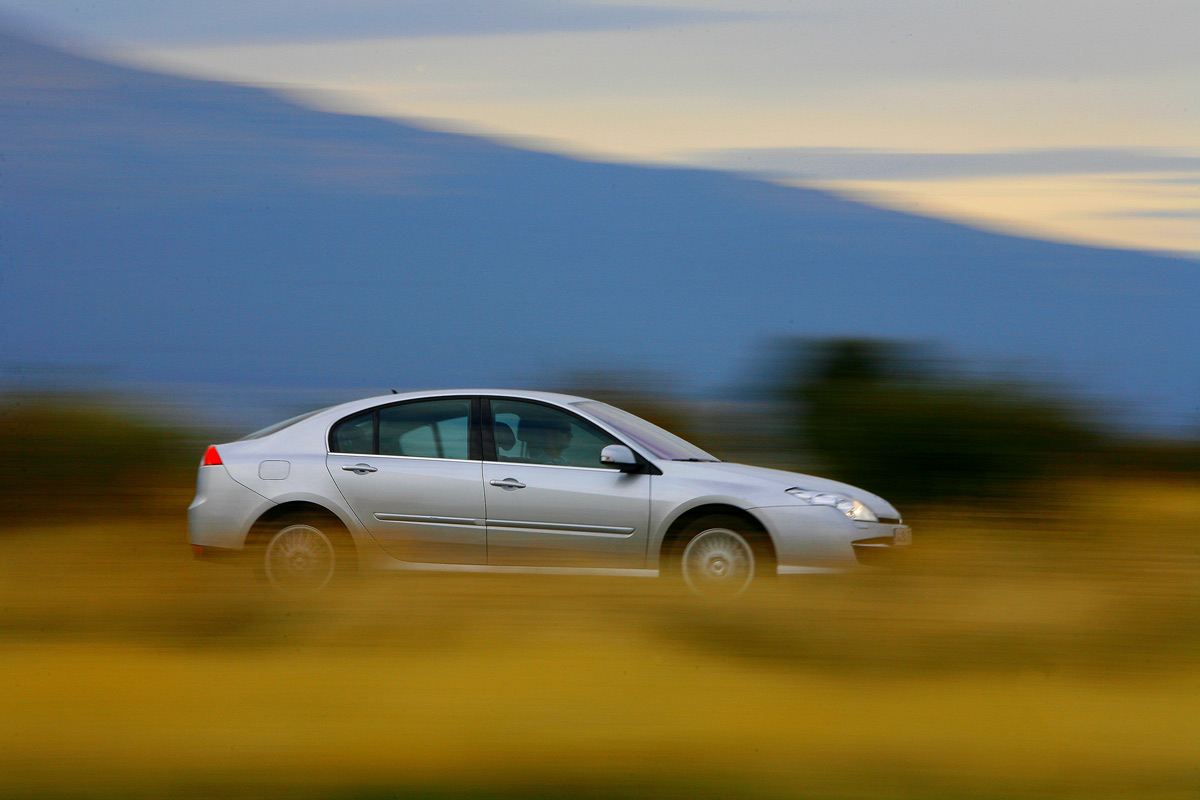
(187, 230)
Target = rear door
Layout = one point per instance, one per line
(549, 500)
(413, 474)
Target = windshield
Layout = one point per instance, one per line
(660, 443)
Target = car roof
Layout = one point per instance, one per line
(521, 394)
(525, 394)
(325, 417)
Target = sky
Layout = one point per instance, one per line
(1077, 121)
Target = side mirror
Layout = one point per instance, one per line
(621, 457)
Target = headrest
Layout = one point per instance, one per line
(504, 436)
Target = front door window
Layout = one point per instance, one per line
(530, 433)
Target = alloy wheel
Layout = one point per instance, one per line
(299, 559)
(718, 563)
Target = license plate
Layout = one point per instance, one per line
(902, 535)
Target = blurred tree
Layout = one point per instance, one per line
(897, 420)
(78, 455)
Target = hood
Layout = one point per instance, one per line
(777, 481)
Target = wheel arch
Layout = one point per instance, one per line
(712, 509)
(296, 509)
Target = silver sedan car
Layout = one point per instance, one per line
(518, 481)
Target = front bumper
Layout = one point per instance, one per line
(819, 539)
(888, 550)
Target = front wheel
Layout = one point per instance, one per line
(721, 558)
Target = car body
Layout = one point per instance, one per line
(518, 481)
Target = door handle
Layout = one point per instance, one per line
(508, 483)
(359, 469)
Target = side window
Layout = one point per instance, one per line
(428, 429)
(529, 433)
(354, 434)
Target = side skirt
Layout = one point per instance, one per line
(411, 566)
(785, 570)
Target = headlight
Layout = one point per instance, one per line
(847, 505)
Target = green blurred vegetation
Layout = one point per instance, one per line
(899, 420)
(903, 421)
(86, 456)
(909, 426)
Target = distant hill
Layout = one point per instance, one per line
(184, 230)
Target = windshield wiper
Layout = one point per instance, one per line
(703, 460)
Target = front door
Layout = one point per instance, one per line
(549, 500)
(413, 476)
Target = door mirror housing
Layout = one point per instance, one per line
(621, 457)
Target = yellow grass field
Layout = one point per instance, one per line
(1042, 654)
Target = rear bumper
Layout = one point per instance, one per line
(223, 510)
(215, 555)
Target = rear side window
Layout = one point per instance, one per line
(424, 429)
(354, 434)
(429, 429)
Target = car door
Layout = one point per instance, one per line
(413, 475)
(549, 500)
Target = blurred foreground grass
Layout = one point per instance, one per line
(1031, 655)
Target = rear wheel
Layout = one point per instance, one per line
(720, 558)
(303, 556)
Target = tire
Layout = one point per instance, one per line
(722, 557)
(303, 556)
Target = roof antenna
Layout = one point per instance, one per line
(394, 391)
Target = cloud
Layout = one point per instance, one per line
(837, 163)
(153, 22)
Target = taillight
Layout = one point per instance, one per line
(211, 457)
